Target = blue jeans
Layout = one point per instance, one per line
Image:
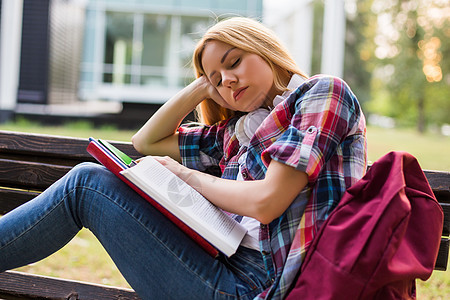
(155, 257)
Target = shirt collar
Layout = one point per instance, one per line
(294, 83)
(247, 125)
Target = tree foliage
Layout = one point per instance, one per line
(359, 48)
(396, 57)
(411, 42)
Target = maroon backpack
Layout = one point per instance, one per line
(383, 235)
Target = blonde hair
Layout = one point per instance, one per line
(253, 37)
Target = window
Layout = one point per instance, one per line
(118, 48)
(192, 29)
(155, 50)
(149, 49)
(141, 50)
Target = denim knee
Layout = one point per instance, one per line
(86, 171)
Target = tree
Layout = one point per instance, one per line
(412, 39)
(359, 45)
(359, 48)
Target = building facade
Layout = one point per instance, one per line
(133, 51)
(140, 50)
(59, 52)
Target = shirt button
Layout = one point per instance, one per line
(244, 175)
(311, 129)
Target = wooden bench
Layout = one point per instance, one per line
(29, 163)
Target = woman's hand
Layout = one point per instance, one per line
(159, 135)
(191, 177)
(211, 92)
(263, 200)
(174, 166)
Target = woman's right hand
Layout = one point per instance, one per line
(159, 135)
(211, 92)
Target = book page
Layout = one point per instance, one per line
(184, 201)
(184, 196)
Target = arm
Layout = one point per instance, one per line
(159, 135)
(263, 200)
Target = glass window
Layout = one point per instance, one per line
(118, 47)
(192, 29)
(155, 50)
(156, 35)
(138, 48)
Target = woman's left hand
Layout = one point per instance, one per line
(263, 200)
(191, 177)
(175, 167)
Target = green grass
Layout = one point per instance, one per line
(431, 150)
(81, 129)
(84, 258)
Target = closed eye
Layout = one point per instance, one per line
(236, 63)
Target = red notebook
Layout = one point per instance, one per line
(116, 161)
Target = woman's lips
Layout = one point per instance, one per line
(239, 92)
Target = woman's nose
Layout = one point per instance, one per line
(228, 79)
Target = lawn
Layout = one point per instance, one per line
(84, 258)
(431, 150)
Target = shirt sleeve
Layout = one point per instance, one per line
(324, 111)
(202, 146)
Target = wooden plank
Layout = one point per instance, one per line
(29, 175)
(62, 161)
(10, 199)
(442, 259)
(16, 285)
(446, 227)
(439, 181)
(54, 146)
(44, 144)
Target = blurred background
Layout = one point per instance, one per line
(114, 61)
(102, 67)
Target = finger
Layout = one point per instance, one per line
(215, 95)
(160, 159)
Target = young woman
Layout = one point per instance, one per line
(286, 148)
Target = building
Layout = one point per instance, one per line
(140, 50)
(62, 52)
(40, 50)
(63, 56)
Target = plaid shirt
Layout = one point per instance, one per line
(319, 129)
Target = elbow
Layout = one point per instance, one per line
(265, 212)
(265, 217)
(273, 195)
(270, 206)
(138, 143)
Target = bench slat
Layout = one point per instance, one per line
(53, 146)
(446, 209)
(10, 199)
(29, 175)
(442, 258)
(44, 144)
(37, 158)
(18, 285)
(439, 180)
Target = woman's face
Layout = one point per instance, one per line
(244, 80)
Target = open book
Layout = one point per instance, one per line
(172, 196)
